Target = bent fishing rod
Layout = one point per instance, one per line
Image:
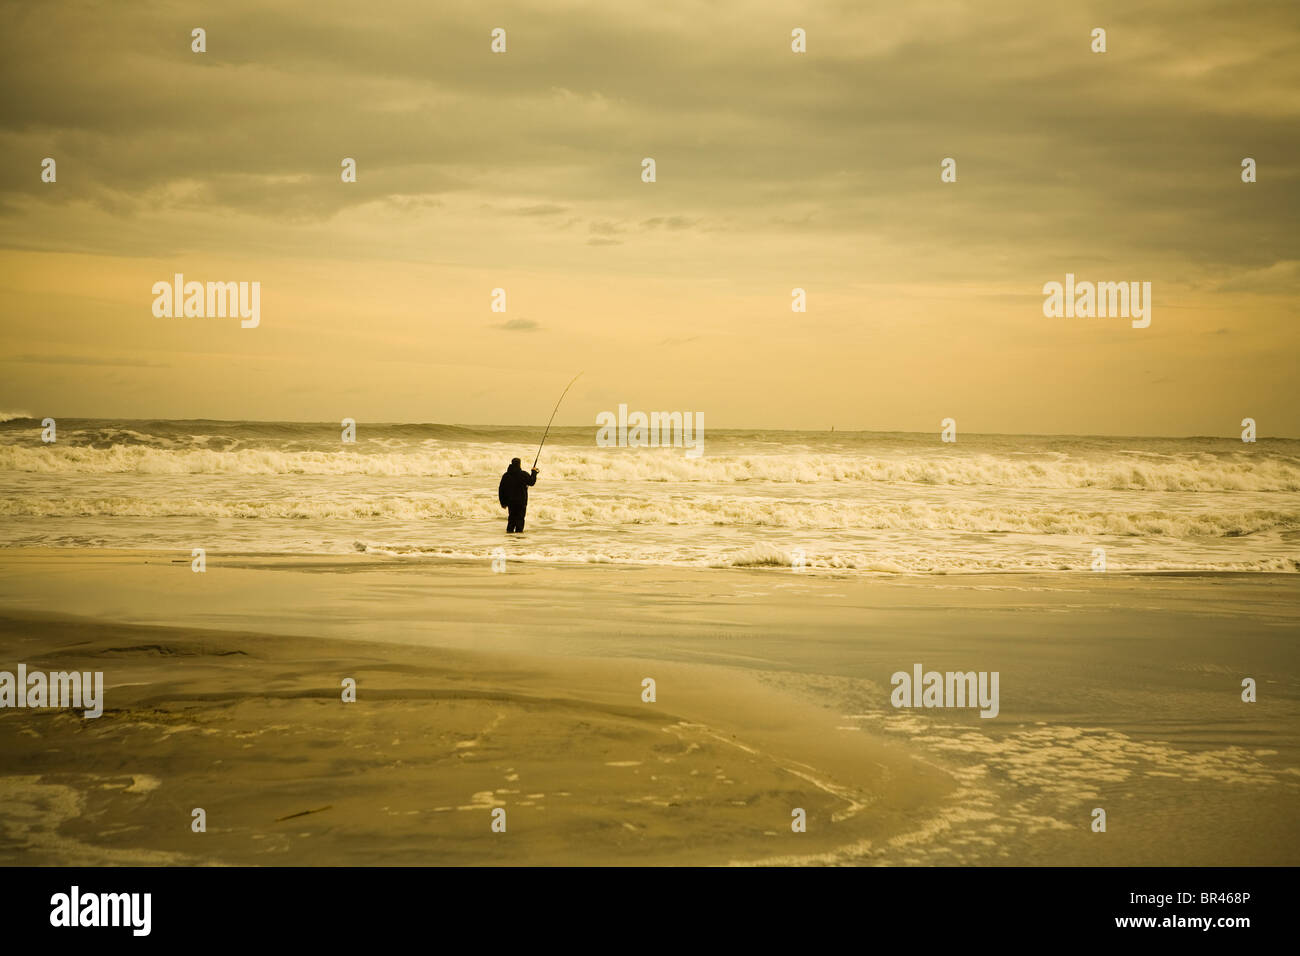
(553, 411)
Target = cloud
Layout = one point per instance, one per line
(775, 170)
(542, 209)
(1051, 141)
(1281, 278)
(53, 358)
(672, 222)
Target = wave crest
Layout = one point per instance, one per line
(1239, 471)
(702, 511)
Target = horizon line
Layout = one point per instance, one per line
(730, 428)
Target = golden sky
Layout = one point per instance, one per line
(775, 170)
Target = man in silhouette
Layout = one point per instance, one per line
(513, 494)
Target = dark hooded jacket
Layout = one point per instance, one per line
(515, 483)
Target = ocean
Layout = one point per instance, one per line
(857, 503)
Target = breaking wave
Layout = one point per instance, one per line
(699, 511)
(1236, 471)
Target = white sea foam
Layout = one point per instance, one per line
(702, 511)
(1118, 472)
(859, 502)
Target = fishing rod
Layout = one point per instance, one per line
(553, 411)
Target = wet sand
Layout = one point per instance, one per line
(523, 691)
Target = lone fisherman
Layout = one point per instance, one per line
(513, 494)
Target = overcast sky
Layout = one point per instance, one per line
(775, 170)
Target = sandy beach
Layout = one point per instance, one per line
(523, 691)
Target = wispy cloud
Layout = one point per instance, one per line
(518, 325)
